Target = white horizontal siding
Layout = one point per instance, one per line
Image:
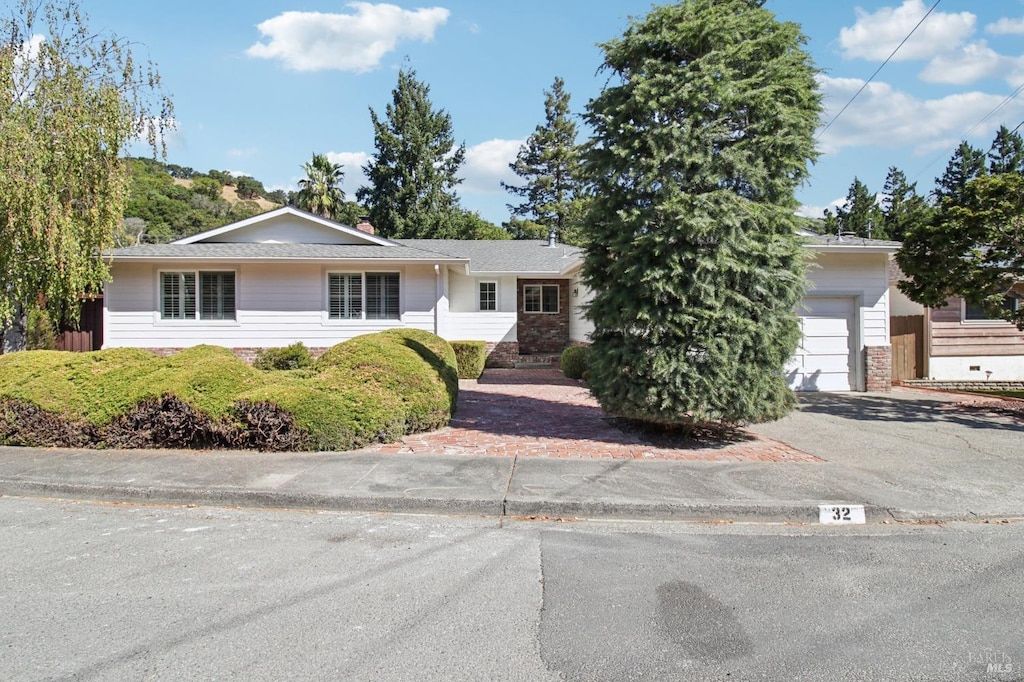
(276, 304)
(579, 327)
(481, 327)
(287, 229)
(464, 292)
(862, 275)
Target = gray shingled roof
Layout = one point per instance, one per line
(498, 255)
(833, 240)
(255, 251)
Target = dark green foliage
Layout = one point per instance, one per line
(249, 187)
(972, 249)
(549, 165)
(518, 228)
(966, 164)
(469, 225)
(860, 214)
(377, 387)
(575, 361)
(172, 210)
(700, 140)
(295, 356)
(1007, 152)
(903, 209)
(471, 356)
(39, 330)
(413, 174)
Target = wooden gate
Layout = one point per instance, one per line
(907, 337)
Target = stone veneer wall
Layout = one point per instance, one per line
(878, 366)
(979, 385)
(543, 332)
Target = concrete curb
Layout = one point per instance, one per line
(710, 512)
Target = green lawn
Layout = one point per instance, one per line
(1005, 394)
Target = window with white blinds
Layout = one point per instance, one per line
(357, 295)
(215, 295)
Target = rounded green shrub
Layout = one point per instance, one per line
(295, 356)
(575, 361)
(470, 356)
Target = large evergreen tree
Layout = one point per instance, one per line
(1006, 154)
(966, 164)
(548, 162)
(974, 249)
(860, 214)
(700, 141)
(413, 174)
(71, 101)
(903, 209)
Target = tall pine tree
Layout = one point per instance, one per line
(1007, 152)
(692, 254)
(903, 209)
(548, 162)
(860, 214)
(966, 164)
(413, 172)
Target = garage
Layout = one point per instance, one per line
(825, 360)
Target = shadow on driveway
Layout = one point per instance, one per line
(905, 407)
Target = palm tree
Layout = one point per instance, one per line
(320, 191)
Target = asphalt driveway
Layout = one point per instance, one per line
(933, 448)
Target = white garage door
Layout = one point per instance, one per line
(825, 359)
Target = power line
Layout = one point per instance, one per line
(887, 60)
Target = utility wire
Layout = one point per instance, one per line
(887, 60)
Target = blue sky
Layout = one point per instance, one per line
(260, 85)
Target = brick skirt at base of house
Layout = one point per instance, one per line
(247, 354)
(878, 368)
(502, 354)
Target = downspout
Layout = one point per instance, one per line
(437, 298)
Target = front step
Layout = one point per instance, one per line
(538, 361)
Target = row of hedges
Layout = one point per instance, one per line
(373, 388)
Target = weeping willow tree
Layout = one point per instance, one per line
(700, 140)
(73, 102)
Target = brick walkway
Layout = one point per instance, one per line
(540, 413)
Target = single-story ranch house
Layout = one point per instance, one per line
(287, 276)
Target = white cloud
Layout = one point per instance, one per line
(352, 163)
(886, 117)
(487, 166)
(316, 41)
(1007, 27)
(970, 63)
(876, 34)
(809, 211)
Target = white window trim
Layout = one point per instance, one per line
(558, 300)
(325, 304)
(497, 296)
(158, 317)
(986, 321)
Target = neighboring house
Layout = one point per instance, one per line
(958, 342)
(287, 276)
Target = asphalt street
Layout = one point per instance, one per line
(109, 591)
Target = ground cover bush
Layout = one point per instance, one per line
(374, 388)
(470, 356)
(295, 356)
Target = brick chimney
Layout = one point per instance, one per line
(364, 225)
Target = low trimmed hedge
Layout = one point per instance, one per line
(471, 356)
(374, 388)
(575, 361)
(295, 356)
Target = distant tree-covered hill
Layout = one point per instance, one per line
(167, 201)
